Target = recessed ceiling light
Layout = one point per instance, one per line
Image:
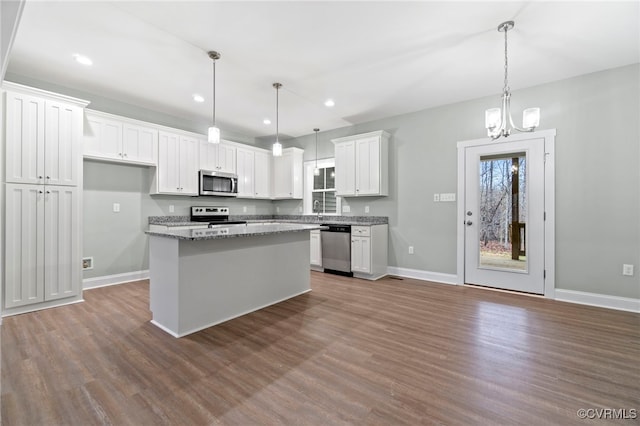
(329, 103)
(266, 121)
(198, 98)
(84, 60)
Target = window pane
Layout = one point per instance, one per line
(331, 177)
(329, 201)
(318, 181)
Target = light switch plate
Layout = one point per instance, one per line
(346, 209)
(436, 198)
(627, 270)
(448, 197)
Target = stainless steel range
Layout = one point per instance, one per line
(213, 215)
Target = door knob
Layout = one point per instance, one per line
(469, 223)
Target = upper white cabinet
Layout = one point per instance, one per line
(287, 174)
(246, 172)
(217, 157)
(42, 138)
(254, 172)
(262, 174)
(177, 170)
(362, 164)
(109, 138)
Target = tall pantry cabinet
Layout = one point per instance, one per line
(42, 190)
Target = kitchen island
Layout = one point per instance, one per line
(203, 277)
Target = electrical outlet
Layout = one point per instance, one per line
(346, 209)
(300, 209)
(627, 270)
(436, 198)
(277, 209)
(244, 209)
(171, 208)
(366, 209)
(410, 249)
(87, 263)
(116, 207)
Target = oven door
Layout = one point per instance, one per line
(218, 183)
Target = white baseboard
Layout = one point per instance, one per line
(418, 274)
(600, 300)
(89, 283)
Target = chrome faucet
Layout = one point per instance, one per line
(316, 208)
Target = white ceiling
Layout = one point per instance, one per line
(376, 59)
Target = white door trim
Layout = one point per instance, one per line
(549, 201)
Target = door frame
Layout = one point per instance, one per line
(549, 202)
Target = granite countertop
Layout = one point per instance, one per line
(304, 219)
(233, 231)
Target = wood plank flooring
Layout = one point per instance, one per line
(350, 352)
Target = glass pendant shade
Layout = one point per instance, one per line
(213, 135)
(316, 171)
(277, 149)
(492, 118)
(531, 118)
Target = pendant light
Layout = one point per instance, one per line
(316, 171)
(277, 146)
(498, 121)
(214, 132)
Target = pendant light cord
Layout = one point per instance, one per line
(214, 93)
(506, 84)
(277, 118)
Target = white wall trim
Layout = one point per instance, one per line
(437, 277)
(89, 283)
(600, 300)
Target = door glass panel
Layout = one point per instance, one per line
(503, 212)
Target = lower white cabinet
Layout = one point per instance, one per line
(369, 251)
(316, 249)
(42, 232)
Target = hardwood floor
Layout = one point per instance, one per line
(350, 352)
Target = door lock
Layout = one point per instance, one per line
(469, 213)
(469, 223)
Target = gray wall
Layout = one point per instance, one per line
(597, 178)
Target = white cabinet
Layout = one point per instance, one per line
(315, 249)
(177, 170)
(362, 165)
(245, 168)
(42, 139)
(369, 251)
(111, 139)
(253, 166)
(287, 174)
(42, 232)
(262, 174)
(217, 157)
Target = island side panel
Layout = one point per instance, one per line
(163, 282)
(221, 279)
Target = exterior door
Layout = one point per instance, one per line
(504, 215)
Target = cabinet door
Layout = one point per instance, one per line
(103, 138)
(140, 144)
(282, 182)
(24, 138)
(345, 168)
(226, 158)
(62, 258)
(62, 161)
(208, 156)
(24, 245)
(367, 165)
(361, 254)
(168, 163)
(315, 249)
(245, 169)
(262, 174)
(188, 166)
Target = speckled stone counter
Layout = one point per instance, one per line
(309, 219)
(232, 231)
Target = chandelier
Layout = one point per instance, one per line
(498, 121)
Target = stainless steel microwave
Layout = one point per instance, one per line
(218, 183)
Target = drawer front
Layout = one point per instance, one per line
(361, 231)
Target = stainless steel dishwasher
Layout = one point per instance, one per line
(336, 249)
